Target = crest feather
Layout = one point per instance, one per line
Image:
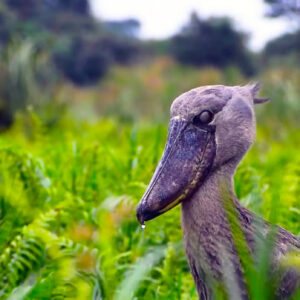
(254, 90)
(260, 100)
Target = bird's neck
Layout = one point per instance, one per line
(206, 205)
(205, 225)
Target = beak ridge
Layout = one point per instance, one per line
(188, 155)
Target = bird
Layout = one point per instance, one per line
(211, 129)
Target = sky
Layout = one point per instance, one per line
(162, 18)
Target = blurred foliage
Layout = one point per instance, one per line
(68, 44)
(283, 50)
(82, 48)
(27, 79)
(212, 42)
(148, 89)
(286, 8)
(129, 27)
(35, 8)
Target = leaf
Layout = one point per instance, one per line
(133, 277)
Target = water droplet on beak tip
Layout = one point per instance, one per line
(143, 226)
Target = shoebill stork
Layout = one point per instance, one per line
(211, 129)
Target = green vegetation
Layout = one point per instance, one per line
(81, 48)
(69, 188)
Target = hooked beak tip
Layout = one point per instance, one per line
(145, 214)
(139, 215)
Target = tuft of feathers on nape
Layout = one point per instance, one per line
(260, 100)
(254, 89)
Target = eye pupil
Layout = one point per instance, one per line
(205, 117)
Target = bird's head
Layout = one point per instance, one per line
(210, 127)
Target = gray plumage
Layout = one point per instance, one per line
(197, 170)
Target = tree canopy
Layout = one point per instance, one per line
(37, 8)
(287, 8)
(287, 45)
(211, 42)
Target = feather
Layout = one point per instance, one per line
(260, 100)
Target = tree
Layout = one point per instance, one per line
(283, 45)
(82, 48)
(211, 42)
(40, 8)
(82, 62)
(129, 27)
(284, 49)
(287, 8)
(80, 7)
(286, 46)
